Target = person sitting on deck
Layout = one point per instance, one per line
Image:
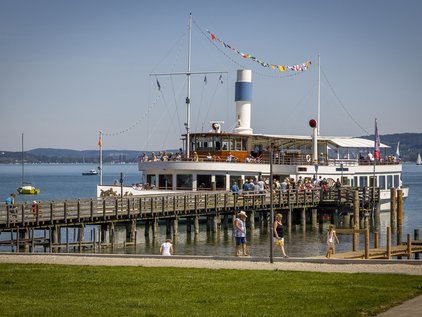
(230, 158)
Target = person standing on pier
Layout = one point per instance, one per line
(331, 238)
(278, 237)
(166, 248)
(240, 233)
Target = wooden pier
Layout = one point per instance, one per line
(217, 207)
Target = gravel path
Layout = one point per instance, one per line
(246, 263)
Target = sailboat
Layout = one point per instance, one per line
(419, 160)
(25, 188)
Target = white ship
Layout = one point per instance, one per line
(216, 159)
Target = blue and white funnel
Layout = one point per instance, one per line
(243, 98)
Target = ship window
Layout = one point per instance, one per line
(203, 182)
(220, 182)
(389, 181)
(396, 181)
(381, 180)
(184, 181)
(355, 183)
(371, 181)
(151, 180)
(363, 181)
(165, 181)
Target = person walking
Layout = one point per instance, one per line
(331, 238)
(166, 248)
(278, 236)
(240, 233)
(10, 205)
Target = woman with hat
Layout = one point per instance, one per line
(240, 233)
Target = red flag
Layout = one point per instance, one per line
(377, 154)
(212, 36)
(100, 141)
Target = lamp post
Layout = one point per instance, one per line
(316, 171)
(271, 222)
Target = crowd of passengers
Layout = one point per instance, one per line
(260, 187)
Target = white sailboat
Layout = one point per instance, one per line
(26, 188)
(419, 160)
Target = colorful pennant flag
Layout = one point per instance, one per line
(296, 68)
(377, 153)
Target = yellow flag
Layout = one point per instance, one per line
(282, 68)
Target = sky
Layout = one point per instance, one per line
(69, 69)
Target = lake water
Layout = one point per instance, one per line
(62, 181)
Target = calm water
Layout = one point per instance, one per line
(61, 181)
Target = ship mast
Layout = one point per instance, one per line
(188, 73)
(319, 95)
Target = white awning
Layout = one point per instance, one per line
(355, 143)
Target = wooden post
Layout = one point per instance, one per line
(175, 226)
(393, 209)
(81, 235)
(314, 218)
(377, 215)
(389, 243)
(409, 246)
(416, 237)
(168, 227)
(376, 239)
(399, 215)
(252, 219)
(147, 227)
(346, 221)
(188, 225)
(196, 224)
(215, 223)
(225, 222)
(303, 219)
(155, 228)
(112, 234)
(289, 219)
(355, 240)
(366, 243)
(356, 209)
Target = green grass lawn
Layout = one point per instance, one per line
(53, 290)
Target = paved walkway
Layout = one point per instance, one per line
(411, 308)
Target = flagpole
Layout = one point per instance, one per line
(376, 149)
(319, 95)
(100, 144)
(188, 92)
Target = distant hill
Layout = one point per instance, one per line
(410, 146)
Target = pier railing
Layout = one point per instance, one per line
(99, 210)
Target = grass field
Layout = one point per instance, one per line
(53, 290)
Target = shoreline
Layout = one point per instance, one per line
(316, 264)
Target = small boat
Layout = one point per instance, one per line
(28, 190)
(419, 160)
(90, 172)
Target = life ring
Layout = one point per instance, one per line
(308, 158)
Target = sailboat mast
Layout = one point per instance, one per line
(22, 162)
(319, 95)
(188, 92)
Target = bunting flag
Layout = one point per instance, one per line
(158, 85)
(296, 68)
(377, 154)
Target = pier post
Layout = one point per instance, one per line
(393, 209)
(188, 225)
(376, 239)
(168, 227)
(252, 220)
(24, 236)
(356, 209)
(355, 239)
(377, 216)
(147, 227)
(399, 215)
(409, 246)
(366, 243)
(346, 220)
(104, 233)
(389, 243)
(314, 212)
(130, 230)
(225, 222)
(196, 224)
(155, 228)
(416, 237)
(216, 223)
(289, 219)
(112, 234)
(175, 225)
(81, 236)
(55, 235)
(303, 219)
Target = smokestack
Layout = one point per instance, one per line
(243, 98)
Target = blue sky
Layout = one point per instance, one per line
(71, 68)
